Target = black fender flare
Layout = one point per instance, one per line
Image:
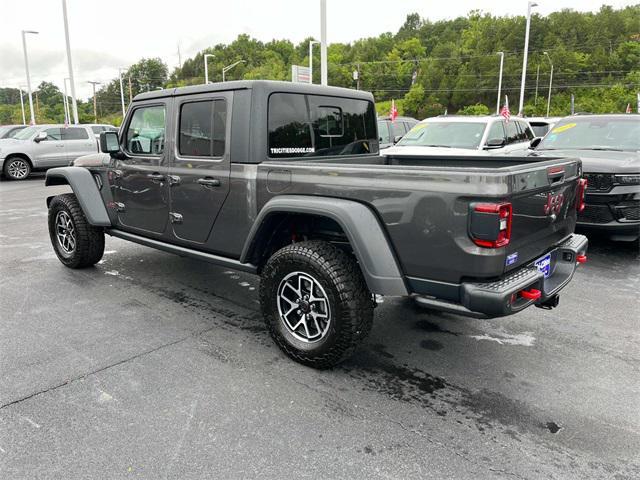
(84, 187)
(361, 226)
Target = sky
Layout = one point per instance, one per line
(106, 35)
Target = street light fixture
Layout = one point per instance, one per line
(95, 101)
(229, 67)
(550, 82)
(499, 82)
(206, 66)
(530, 5)
(311, 44)
(26, 67)
(24, 120)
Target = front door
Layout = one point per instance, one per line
(78, 142)
(139, 177)
(51, 151)
(199, 174)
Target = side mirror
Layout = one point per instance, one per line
(495, 143)
(40, 137)
(535, 142)
(396, 139)
(109, 142)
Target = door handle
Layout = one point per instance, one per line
(156, 176)
(174, 180)
(209, 182)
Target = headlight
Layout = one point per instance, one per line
(633, 179)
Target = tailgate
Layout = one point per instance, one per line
(544, 209)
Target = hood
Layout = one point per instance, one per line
(599, 161)
(92, 160)
(428, 151)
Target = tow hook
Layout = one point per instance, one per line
(581, 258)
(549, 303)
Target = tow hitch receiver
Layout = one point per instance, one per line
(551, 302)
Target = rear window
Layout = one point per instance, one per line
(316, 125)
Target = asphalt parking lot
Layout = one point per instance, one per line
(154, 366)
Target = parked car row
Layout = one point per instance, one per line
(39, 147)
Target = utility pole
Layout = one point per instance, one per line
(121, 93)
(550, 82)
(311, 44)
(26, 67)
(530, 5)
(323, 42)
(95, 102)
(24, 119)
(573, 104)
(535, 102)
(37, 105)
(73, 86)
(206, 66)
(499, 82)
(130, 93)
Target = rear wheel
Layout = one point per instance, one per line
(16, 168)
(76, 243)
(315, 303)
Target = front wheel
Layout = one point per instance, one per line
(76, 243)
(315, 302)
(16, 168)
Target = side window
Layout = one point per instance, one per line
(528, 133)
(146, 131)
(219, 127)
(314, 125)
(383, 132)
(512, 132)
(97, 129)
(53, 134)
(496, 130)
(397, 129)
(73, 133)
(195, 129)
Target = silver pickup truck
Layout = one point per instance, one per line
(285, 181)
(40, 147)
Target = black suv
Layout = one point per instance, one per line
(609, 146)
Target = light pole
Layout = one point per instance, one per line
(26, 67)
(95, 102)
(67, 111)
(121, 92)
(323, 42)
(229, 67)
(535, 102)
(206, 67)
(530, 5)
(499, 82)
(24, 120)
(550, 82)
(311, 44)
(73, 85)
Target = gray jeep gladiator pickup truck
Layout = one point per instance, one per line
(284, 180)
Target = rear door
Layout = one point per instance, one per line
(51, 151)
(139, 176)
(78, 142)
(199, 174)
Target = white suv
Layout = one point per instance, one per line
(465, 135)
(44, 146)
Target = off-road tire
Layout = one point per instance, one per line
(89, 240)
(16, 168)
(349, 298)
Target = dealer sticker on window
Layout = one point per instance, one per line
(544, 265)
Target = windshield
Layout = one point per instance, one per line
(594, 133)
(26, 133)
(445, 134)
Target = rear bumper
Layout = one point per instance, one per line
(502, 297)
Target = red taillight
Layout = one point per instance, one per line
(582, 187)
(494, 231)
